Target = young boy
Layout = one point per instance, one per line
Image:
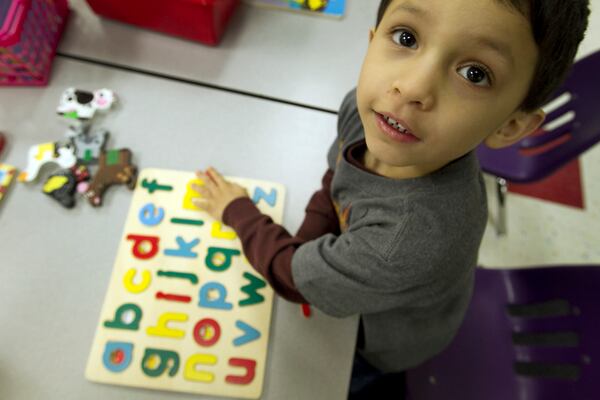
(393, 235)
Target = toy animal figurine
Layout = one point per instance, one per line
(88, 146)
(62, 185)
(114, 168)
(82, 105)
(41, 154)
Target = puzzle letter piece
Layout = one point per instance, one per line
(117, 356)
(184, 248)
(250, 334)
(128, 316)
(251, 289)
(207, 332)
(191, 372)
(144, 247)
(161, 328)
(191, 194)
(209, 300)
(139, 287)
(249, 365)
(219, 258)
(156, 361)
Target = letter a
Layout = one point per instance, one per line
(117, 356)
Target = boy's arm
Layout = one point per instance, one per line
(268, 246)
(321, 217)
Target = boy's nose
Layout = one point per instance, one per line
(417, 88)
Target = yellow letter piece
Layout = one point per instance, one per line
(128, 281)
(191, 372)
(191, 194)
(161, 328)
(218, 233)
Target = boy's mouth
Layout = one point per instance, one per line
(395, 124)
(394, 128)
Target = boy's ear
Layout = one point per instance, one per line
(519, 125)
(371, 34)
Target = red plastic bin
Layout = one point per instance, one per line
(200, 20)
(29, 34)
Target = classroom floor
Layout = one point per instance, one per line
(552, 222)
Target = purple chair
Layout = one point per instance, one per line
(570, 130)
(529, 334)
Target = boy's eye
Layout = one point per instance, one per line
(475, 74)
(404, 38)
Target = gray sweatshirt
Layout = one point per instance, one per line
(406, 256)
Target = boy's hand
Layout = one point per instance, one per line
(216, 193)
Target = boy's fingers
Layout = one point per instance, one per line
(215, 175)
(197, 188)
(199, 202)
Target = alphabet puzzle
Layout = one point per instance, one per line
(184, 310)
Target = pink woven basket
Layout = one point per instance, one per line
(29, 34)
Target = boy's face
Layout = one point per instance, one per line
(453, 73)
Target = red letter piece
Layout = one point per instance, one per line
(202, 333)
(140, 246)
(173, 297)
(250, 366)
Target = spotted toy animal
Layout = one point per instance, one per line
(82, 105)
(115, 168)
(41, 154)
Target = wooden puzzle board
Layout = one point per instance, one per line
(184, 310)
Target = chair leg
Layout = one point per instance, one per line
(501, 190)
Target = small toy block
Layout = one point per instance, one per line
(41, 154)
(115, 168)
(81, 105)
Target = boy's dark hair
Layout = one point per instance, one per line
(558, 27)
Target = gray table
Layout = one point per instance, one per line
(302, 59)
(56, 263)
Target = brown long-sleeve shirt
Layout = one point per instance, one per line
(269, 247)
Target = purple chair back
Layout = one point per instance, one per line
(545, 151)
(529, 334)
